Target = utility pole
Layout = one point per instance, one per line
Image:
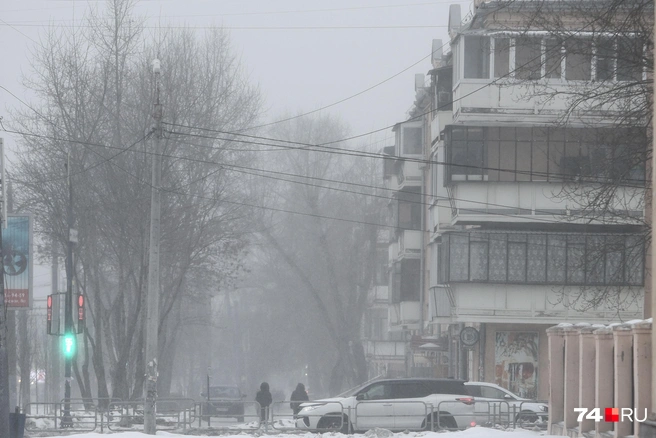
(652, 277)
(4, 361)
(152, 303)
(69, 332)
(54, 372)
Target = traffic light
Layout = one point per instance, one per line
(49, 315)
(80, 313)
(68, 345)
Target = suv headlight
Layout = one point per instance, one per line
(543, 408)
(310, 408)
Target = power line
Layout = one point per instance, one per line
(346, 98)
(312, 28)
(212, 198)
(494, 81)
(418, 117)
(364, 154)
(244, 169)
(280, 210)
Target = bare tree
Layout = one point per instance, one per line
(319, 249)
(95, 94)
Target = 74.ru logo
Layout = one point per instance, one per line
(611, 415)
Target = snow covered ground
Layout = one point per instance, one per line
(475, 432)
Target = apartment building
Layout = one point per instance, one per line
(495, 174)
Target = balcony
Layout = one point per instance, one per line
(404, 315)
(552, 259)
(410, 243)
(513, 174)
(493, 73)
(533, 304)
(405, 174)
(536, 202)
(380, 350)
(380, 294)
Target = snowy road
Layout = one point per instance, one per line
(476, 432)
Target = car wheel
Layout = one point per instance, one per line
(333, 422)
(446, 422)
(526, 417)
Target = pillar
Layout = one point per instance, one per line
(586, 376)
(604, 366)
(623, 341)
(571, 378)
(556, 340)
(642, 357)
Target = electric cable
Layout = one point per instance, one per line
(223, 165)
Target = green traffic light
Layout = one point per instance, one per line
(69, 345)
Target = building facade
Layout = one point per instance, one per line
(494, 179)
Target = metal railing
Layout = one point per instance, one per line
(529, 418)
(452, 416)
(86, 415)
(50, 417)
(406, 414)
(170, 414)
(245, 417)
(283, 418)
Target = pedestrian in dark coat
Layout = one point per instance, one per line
(263, 397)
(299, 395)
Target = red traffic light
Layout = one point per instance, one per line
(80, 313)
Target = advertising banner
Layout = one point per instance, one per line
(516, 360)
(17, 261)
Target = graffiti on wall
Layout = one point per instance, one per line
(516, 362)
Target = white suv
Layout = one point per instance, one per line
(394, 404)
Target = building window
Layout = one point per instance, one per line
(578, 59)
(605, 59)
(409, 210)
(542, 258)
(412, 141)
(477, 57)
(467, 152)
(533, 57)
(630, 54)
(410, 273)
(477, 153)
(528, 58)
(552, 58)
(501, 57)
(381, 267)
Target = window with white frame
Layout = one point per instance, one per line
(529, 57)
(501, 57)
(410, 139)
(477, 57)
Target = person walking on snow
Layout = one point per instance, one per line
(263, 397)
(298, 396)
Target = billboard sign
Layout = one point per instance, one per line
(17, 261)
